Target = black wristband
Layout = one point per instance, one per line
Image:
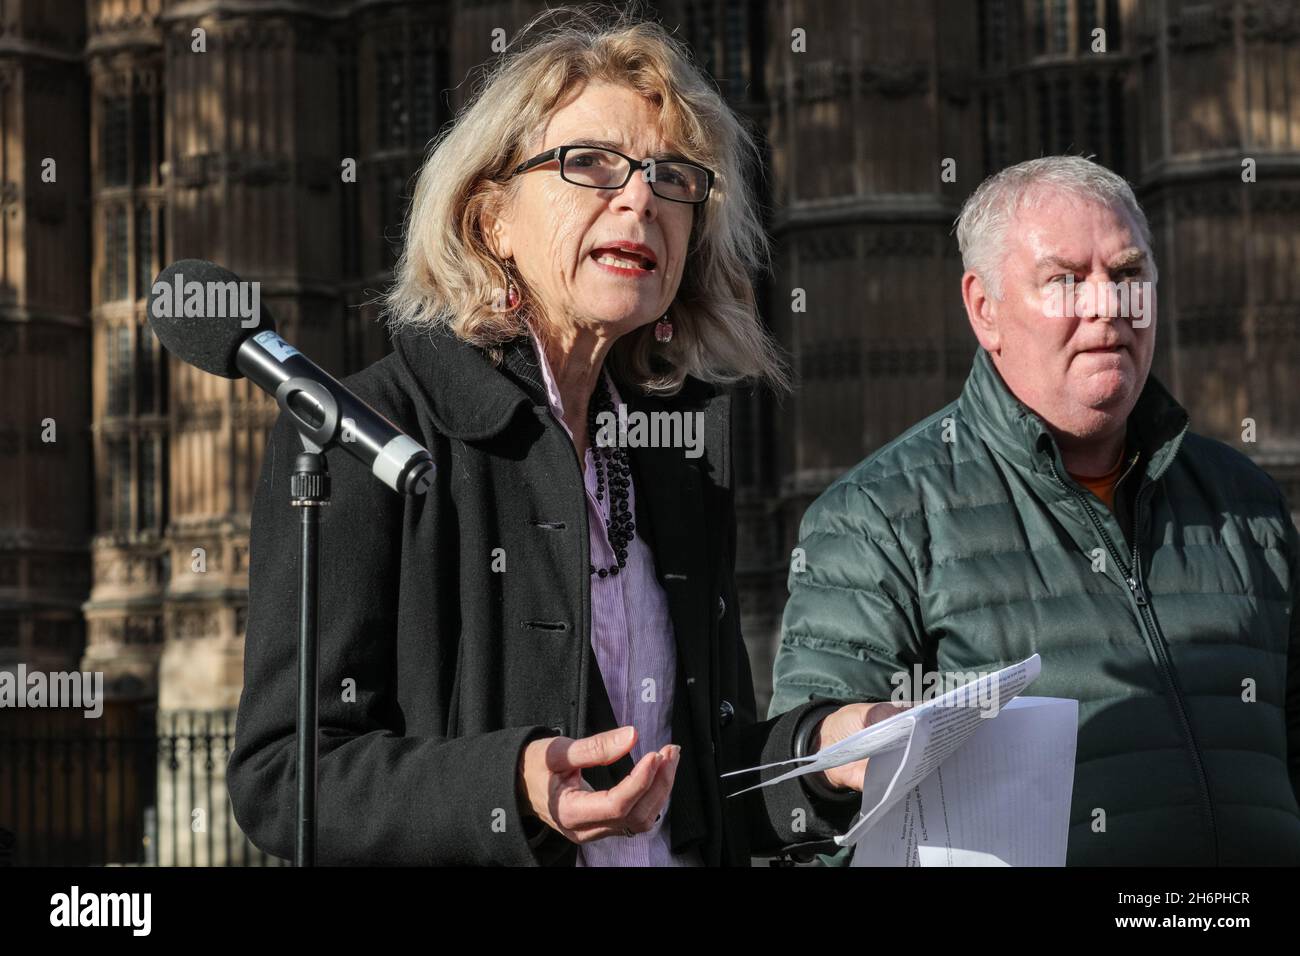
(814, 782)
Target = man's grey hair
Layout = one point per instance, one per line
(987, 215)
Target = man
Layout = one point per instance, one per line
(1061, 506)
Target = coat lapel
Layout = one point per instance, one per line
(670, 508)
(670, 512)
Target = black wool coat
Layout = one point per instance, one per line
(437, 667)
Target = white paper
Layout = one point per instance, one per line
(1003, 799)
(941, 725)
(880, 738)
(972, 777)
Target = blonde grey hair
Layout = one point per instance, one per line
(448, 276)
(987, 215)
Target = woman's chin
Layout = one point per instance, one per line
(619, 321)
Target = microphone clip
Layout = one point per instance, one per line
(314, 410)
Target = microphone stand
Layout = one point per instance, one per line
(315, 403)
(309, 491)
(315, 412)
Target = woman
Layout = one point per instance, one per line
(540, 660)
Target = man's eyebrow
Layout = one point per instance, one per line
(1129, 257)
(664, 156)
(1061, 263)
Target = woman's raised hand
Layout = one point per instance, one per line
(551, 786)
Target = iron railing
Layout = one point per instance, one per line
(133, 787)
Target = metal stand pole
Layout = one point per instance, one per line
(310, 491)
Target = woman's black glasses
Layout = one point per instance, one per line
(599, 168)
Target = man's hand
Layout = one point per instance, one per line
(550, 783)
(844, 722)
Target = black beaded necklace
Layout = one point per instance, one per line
(611, 462)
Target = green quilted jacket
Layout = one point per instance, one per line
(964, 545)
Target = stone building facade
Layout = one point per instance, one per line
(124, 543)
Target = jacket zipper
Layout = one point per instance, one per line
(1151, 630)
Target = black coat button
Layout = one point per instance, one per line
(725, 712)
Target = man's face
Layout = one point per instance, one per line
(1079, 367)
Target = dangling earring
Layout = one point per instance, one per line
(512, 292)
(664, 329)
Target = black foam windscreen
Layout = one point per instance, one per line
(202, 312)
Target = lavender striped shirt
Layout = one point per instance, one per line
(632, 636)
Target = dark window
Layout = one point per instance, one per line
(411, 72)
(734, 33)
(119, 473)
(1116, 116)
(142, 123)
(1064, 116)
(146, 364)
(160, 371)
(1087, 23)
(119, 370)
(161, 244)
(424, 85)
(757, 57)
(995, 131)
(159, 131)
(1040, 27)
(390, 87)
(1113, 36)
(700, 33)
(1044, 117)
(1060, 26)
(112, 140)
(113, 278)
(987, 111)
(150, 482)
(992, 34)
(1092, 112)
(143, 251)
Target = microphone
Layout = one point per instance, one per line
(206, 316)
